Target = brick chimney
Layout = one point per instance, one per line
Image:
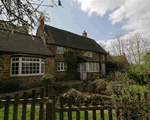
(41, 21)
(84, 34)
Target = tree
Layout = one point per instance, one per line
(136, 47)
(22, 12)
(118, 44)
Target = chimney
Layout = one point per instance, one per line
(84, 34)
(41, 21)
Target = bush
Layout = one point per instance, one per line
(99, 85)
(47, 79)
(61, 87)
(115, 87)
(76, 95)
(9, 85)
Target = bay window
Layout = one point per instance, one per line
(91, 67)
(26, 66)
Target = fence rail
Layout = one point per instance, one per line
(49, 109)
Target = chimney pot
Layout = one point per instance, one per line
(84, 34)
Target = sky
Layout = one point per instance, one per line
(101, 19)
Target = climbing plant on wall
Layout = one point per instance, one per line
(71, 59)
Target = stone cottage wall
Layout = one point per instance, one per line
(25, 81)
(60, 58)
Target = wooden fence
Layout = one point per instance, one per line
(48, 110)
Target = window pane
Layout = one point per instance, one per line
(42, 60)
(17, 59)
(13, 64)
(12, 72)
(90, 66)
(13, 59)
(27, 59)
(16, 72)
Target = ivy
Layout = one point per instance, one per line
(71, 59)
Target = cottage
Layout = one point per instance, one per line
(91, 56)
(26, 58)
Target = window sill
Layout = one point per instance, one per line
(26, 75)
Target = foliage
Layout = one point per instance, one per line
(115, 87)
(61, 87)
(23, 12)
(134, 105)
(120, 77)
(47, 79)
(9, 85)
(71, 59)
(139, 73)
(77, 96)
(99, 85)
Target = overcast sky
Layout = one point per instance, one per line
(101, 19)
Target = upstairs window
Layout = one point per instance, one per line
(60, 50)
(103, 57)
(89, 54)
(61, 66)
(25, 66)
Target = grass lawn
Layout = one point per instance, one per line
(57, 115)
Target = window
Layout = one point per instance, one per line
(61, 66)
(60, 50)
(89, 54)
(24, 66)
(103, 57)
(93, 67)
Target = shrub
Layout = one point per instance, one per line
(115, 87)
(133, 107)
(120, 77)
(47, 79)
(61, 87)
(76, 95)
(9, 85)
(99, 85)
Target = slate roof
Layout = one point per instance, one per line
(23, 43)
(87, 59)
(64, 38)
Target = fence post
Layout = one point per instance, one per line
(41, 110)
(61, 106)
(70, 105)
(24, 108)
(33, 105)
(15, 107)
(6, 112)
(102, 110)
(49, 110)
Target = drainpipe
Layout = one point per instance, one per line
(100, 64)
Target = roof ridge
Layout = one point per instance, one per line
(20, 33)
(69, 32)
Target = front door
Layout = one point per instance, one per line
(83, 73)
(103, 69)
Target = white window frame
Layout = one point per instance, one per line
(60, 50)
(63, 65)
(89, 54)
(103, 57)
(40, 61)
(93, 67)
